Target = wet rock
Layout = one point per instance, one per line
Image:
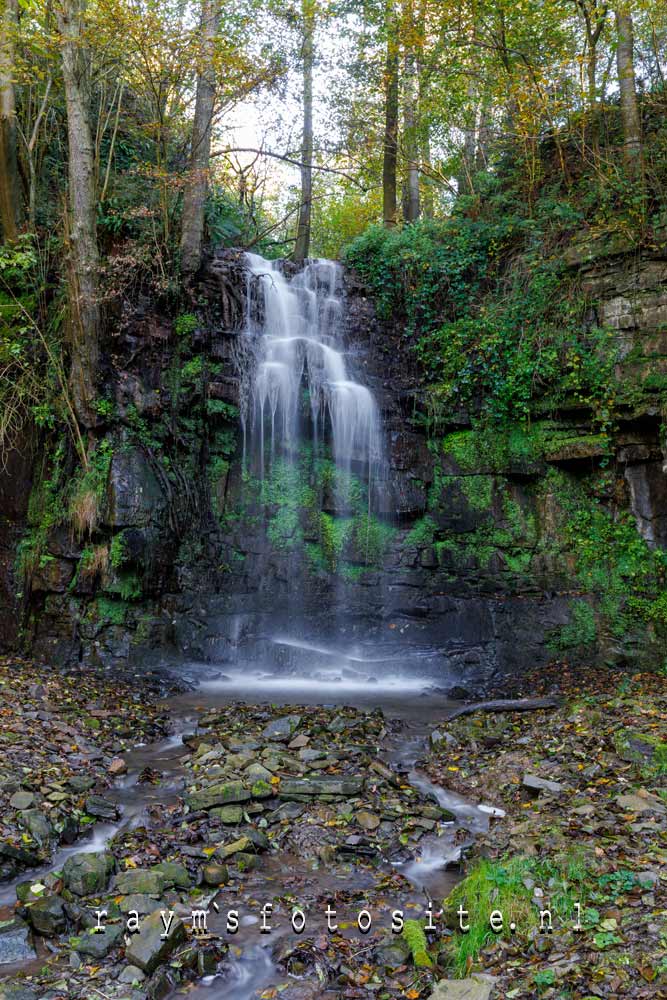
(149, 948)
(474, 988)
(174, 874)
(639, 803)
(117, 766)
(315, 787)
(131, 974)
(215, 874)
(80, 783)
(98, 943)
(14, 943)
(243, 844)
(21, 800)
(87, 873)
(393, 953)
(20, 855)
(140, 902)
(231, 815)
(538, 785)
(146, 881)
(47, 916)
(101, 808)
(37, 825)
(281, 730)
(256, 772)
(218, 795)
(367, 820)
(9, 991)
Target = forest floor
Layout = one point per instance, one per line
(309, 806)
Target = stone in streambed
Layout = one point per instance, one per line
(96, 943)
(140, 902)
(80, 783)
(256, 772)
(37, 825)
(538, 785)
(215, 874)
(218, 795)
(117, 767)
(149, 948)
(85, 873)
(281, 730)
(174, 874)
(140, 880)
(229, 815)
(101, 808)
(367, 820)
(131, 974)
(474, 988)
(315, 787)
(21, 800)
(636, 803)
(47, 916)
(236, 847)
(14, 942)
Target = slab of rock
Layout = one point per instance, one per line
(99, 943)
(215, 874)
(367, 820)
(22, 800)
(47, 916)
(15, 942)
(315, 787)
(231, 815)
(85, 873)
(218, 795)
(474, 988)
(139, 902)
(101, 808)
(281, 730)
(174, 874)
(147, 881)
(538, 785)
(236, 847)
(635, 803)
(131, 974)
(149, 949)
(257, 772)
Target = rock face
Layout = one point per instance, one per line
(467, 563)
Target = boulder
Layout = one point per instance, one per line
(14, 943)
(47, 916)
(174, 874)
(87, 873)
(98, 943)
(281, 730)
(149, 948)
(218, 795)
(147, 881)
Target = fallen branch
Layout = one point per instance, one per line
(505, 705)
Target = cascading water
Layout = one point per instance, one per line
(294, 328)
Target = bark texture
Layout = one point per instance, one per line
(194, 199)
(10, 201)
(390, 146)
(302, 244)
(82, 224)
(632, 143)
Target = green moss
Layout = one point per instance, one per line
(415, 938)
(478, 491)
(108, 610)
(422, 532)
(185, 324)
(118, 553)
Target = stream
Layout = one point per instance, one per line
(430, 871)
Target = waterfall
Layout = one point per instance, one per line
(294, 331)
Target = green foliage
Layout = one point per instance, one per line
(503, 885)
(494, 333)
(118, 553)
(185, 324)
(580, 633)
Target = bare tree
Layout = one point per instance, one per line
(194, 199)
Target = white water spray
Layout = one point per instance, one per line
(295, 330)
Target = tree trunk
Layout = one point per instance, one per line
(632, 143)
(302, 244)
(194, 199)
(84, 305)
(468, 157)
(390, 150)
(411, 140)
(10, 201)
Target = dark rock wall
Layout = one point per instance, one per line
(463, 564)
